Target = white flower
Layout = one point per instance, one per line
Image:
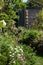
(0, 7)
(21, 50)
(22, 59)
(11, 55)
(6, 33)
(18, 55)
(13, 61)
(18, 47)
(15, 48)
(17, 51)
(10, 52)
(22, 54)
(11, 47)
(3, 23)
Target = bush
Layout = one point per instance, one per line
(40, 45)
(33, 38)
(27, 36)
(40, 15)
(3, 59)
(30, 57)
(13, 54)
(5, 43)
(40, 26)
(10, 52)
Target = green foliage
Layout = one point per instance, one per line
(40, 26)
(11, 53)
(9, 10)
(1, 4)
(39, 1)
(6, 46)
(4, 16)
(34, 38)
(3, 59)
(30, 57)
(40, 15)
(1, 24)
(28, 36)
(36, 2)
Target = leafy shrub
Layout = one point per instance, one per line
(28, 36)
(40, 15)
(40, 26)
(5, 43)
(13, 54)
(33, 38)
(30, 57)
(40, 45)
(10, 53)
(3, 59)
(4, 16)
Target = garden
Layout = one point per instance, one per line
(19, 45)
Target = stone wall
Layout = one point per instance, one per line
(28, 16)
